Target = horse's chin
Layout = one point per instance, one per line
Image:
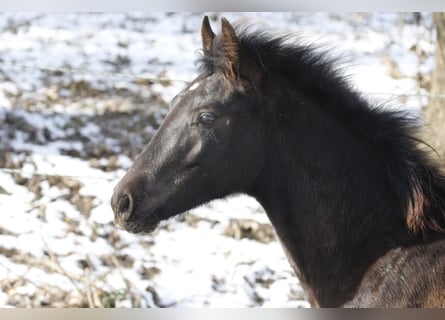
(137, 227)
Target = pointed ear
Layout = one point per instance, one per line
(229, 42)
(207, 35)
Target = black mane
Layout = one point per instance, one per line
(416, 179)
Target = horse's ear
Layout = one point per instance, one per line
(207, 35)
(229, 42)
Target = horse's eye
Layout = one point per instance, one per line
(207, 118)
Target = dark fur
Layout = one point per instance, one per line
(353, 197)
(416, 180)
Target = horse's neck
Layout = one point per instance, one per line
(328, 200)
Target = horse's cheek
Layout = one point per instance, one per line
(193, 151)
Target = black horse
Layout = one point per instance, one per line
(357, 205)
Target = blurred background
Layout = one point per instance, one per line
(80, 96)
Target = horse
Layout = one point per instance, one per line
(355, 198)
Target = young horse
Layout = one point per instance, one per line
(358, 208)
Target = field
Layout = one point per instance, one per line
(80, 96)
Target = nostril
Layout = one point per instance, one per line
(125, 206)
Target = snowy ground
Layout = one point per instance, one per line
(58, 245)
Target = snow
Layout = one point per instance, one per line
(198, 265)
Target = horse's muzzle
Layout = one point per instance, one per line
(122, 205)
